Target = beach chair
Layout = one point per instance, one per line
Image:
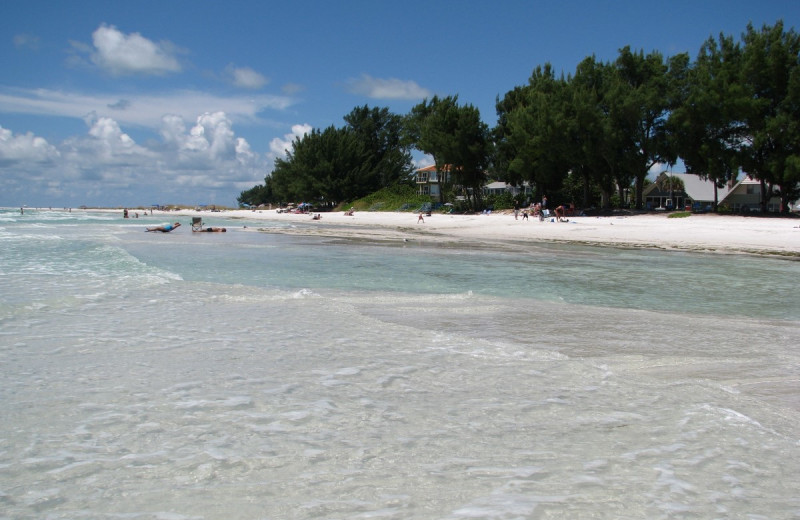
(197, 223)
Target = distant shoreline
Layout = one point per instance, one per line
(706, 233)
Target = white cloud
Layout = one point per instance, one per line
(25, 148)
(140, 110)
(377, 88)
(657, 169)
(423, 161)
(278, 147)
(246, 77)
(106, 166)
(122, 54)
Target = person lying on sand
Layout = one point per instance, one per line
(166, 228)
(212, 230)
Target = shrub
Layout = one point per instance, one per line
(680, 214)
(392, 198)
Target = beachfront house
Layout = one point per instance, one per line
(687, 191)
(745, 196)
(430, 180)
(499, 188)
(681, 190)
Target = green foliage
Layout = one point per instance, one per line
(338, 164)
(260, 194)
(325, 167)
(536, 130)
(393, 198)
(456, 138)
(639, 102)
(706, 127)
(381, 133)
(680, 214)
(770, 76)
(500, 201)
(667, 182)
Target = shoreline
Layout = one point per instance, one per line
(703, 233)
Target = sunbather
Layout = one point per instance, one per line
(166, 228)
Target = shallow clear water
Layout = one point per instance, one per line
(255, 375)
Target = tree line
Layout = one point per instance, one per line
(589, 137)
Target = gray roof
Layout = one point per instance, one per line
(701, 190)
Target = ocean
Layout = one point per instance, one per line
(255, 375)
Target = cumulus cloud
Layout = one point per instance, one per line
(122, 54)
(25, 148)
(106, 166)
(279, 146)
(246, 77)
(377, 88)
(210, 140)
(111, 143)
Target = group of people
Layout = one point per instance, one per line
(125, 213)
(539, 210)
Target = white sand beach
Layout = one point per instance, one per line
(698, 232)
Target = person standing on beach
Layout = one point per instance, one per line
(516, 209)
(544, 201)
(420, 219)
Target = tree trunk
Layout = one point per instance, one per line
(639, 191)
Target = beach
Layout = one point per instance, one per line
(698, 232)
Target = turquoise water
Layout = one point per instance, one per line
(262, 375)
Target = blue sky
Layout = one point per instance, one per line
(189, 102)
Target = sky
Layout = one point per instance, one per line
(146, 102)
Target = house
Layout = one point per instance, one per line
(430, 180)
(691, 191)
(746, 196)
(498, 188)
(698, 194)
